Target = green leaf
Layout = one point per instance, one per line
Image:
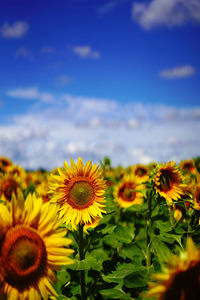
(135, 281)
(161, 250)
(163, 226)
(137, 208)
(84, 264)
(63, 278)
(132, 251)
(124, 234)
(62, 297)
(122, 271)
(115, 293)
(109, 229)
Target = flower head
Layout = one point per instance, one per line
(188, 166)
(168, 182)
(141, 172)
(4, 163)
(32, 247)
(79, 191)
(128, 191)
(181, 279)
(10, 184)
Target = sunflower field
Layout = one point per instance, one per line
(94, 231)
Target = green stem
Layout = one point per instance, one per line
(81, 257)
(149, 222)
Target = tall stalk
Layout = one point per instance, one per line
(81, 257)
(149, 223)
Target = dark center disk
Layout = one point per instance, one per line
(24, 257)
(165, 181)
(127, 192)
(8, 187)
(81, 193)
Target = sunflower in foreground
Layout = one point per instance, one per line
(128, 191)
(32, 247)
(168, 182)
(181, 280)
(79, 191)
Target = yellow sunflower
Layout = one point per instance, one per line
(10, 184)
(32, 247)
(141, 171)
(16, 170)
(79, 191)
(4, 163)
(196, 193)
(128, 191)
(42, 190)
(168, 182)
(188, 166)
(181, 279)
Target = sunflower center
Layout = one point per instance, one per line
(165, 182)
(127, 193)
(8, 187)
(24, 257)
(81, 193)
(141, 172)
(187, 166)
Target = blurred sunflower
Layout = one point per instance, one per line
(188, 166)
(181, 280)
(42, 190)
(32, 247)
(184, 205)
(128, 191)
(4, 163)
(141, 172)
(168, 182)
(10, 184)
(16, 170)
(196, 194)
(79, 191)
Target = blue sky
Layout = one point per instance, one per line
(95, 78)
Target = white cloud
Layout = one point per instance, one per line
(23, 52)
(93, 128)
(31, 94)
(178, 72)
(62, 80)
(85, 51)
(105, 8)
(47, 50)
(16, 30)
(166, 13)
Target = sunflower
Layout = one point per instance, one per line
(188, 166)
(79, 191)
(128, 191)
(196, 193)
(4, 163)
(181, 279)
(32, 247)
(42, 190)
(10, 184)
(16, 170)
(168, 182)
(141, 172)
